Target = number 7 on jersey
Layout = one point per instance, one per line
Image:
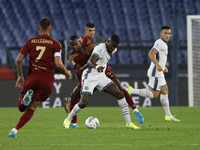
(42, 48)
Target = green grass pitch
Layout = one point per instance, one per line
(43, 131)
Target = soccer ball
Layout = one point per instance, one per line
(92, 122)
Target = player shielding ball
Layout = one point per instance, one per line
(94, 77)
(82, 49)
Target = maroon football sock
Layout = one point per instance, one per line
(25, 118)
(21, 107)
(129, 99)
(72, 104)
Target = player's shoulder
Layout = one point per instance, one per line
(57, 42)
(82, 38)
(72, 56)
(160, 41)
(101, 45)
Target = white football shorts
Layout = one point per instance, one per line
(89, 82)
(156, 83)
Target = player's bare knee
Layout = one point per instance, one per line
(83, 104)
(155, 95)
(119, 95)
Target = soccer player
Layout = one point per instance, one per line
(157, 83)
(44, 54)
(78, 59)
(94, 77)
(79, 62)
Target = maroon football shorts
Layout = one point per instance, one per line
(41, 85)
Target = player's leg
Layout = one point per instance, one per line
(75, 98)
(26, 94)
(77, 108)
(140, 92)
(116, 92)
(145, 92)
(164, 100)
(41, 93)
(25, 117)
(129, 101)
(86, 91)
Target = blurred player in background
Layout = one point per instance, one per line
(44, 54)
(157, 83)
(94, 77)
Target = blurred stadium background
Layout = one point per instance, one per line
(137, 22)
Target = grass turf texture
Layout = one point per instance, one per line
(43, 130)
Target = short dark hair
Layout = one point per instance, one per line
(115, 38)
(73, 37)
(90, 25)
(165, 27)
(45, 23)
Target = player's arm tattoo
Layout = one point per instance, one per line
(19, 60)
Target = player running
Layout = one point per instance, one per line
(157, 83)
(44, 54)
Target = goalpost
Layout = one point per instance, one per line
(193, 49)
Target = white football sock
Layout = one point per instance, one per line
(135, 110)
(73, 112)
(142, 92)
(15, 130)
(164, 100)
(125, 110)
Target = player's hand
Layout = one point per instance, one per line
(100, 69)
(166, 70)
(68, 74)
(159, 68)
(20, 82)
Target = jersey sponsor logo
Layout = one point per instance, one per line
(157, 46)
(100, 50)
(73, 63)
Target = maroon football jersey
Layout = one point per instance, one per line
(41, 51)
(81, 59)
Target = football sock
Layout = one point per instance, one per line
(14, 130)
(129, 99)
(142, 92)
(164, 100)
(135, 110)
(72, 104)
(24, 118)
(125, 110)
(21, 106)
(73, 112)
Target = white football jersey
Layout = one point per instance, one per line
(102, 52)
(161, 47)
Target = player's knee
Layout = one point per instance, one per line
(84, 101)
(155, 95)
(119, 95)
(83, 104)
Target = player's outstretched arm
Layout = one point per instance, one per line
(61, 68)
(81, 68)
